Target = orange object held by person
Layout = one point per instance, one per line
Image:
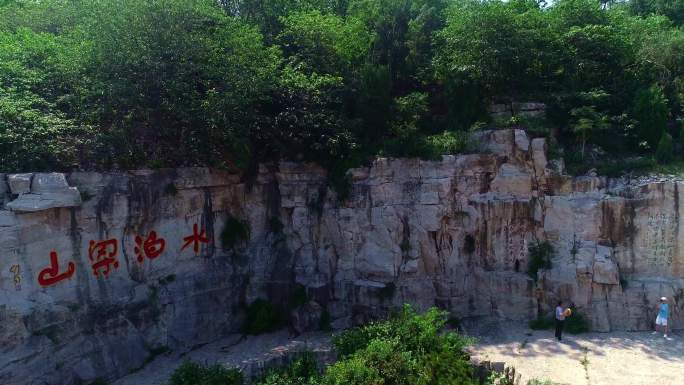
(567, 312)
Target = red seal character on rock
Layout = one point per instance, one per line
(102, 255)
(150, 247)
(195, 239)
(51, 275)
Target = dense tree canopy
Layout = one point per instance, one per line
(102, 84)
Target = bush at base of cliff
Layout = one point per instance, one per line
(408, 349)
(262, 317)
(302, 371)
(541, 323)
(576, 323)
(191, 373)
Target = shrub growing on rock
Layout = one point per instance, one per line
(540, 257)
(234, 231)
(262, 317)
(191, 373)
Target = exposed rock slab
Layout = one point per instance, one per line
(142, 261)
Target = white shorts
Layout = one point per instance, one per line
(660, 321)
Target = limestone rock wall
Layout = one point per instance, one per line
(100, 272)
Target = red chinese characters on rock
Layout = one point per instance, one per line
(195, 239)
(50, 275)
(102, 255)
(150, 247)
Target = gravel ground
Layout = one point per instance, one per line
(617, 358)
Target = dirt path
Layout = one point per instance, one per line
(618, 358)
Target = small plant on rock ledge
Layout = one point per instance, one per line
(540, 257)
(234, 231)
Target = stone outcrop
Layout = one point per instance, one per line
(38, 192)
(120, 265)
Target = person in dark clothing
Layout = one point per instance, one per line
(560, 320)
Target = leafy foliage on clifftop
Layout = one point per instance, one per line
(103, 84)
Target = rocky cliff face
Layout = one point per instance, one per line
(99, 272)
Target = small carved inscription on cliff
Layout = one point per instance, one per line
(660, 239)
(516, 245)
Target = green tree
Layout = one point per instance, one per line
(35, 134)
(673, 9)
(157, 77)
(586, 120)
(650, 110)
(507, 48)
(325, 43)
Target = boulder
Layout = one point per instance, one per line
(47, 190)
(40, 202)
(48, 182)
(19, 183)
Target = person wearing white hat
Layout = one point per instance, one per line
(663, 314)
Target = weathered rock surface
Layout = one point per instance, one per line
(38, 192)
(91, 287)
